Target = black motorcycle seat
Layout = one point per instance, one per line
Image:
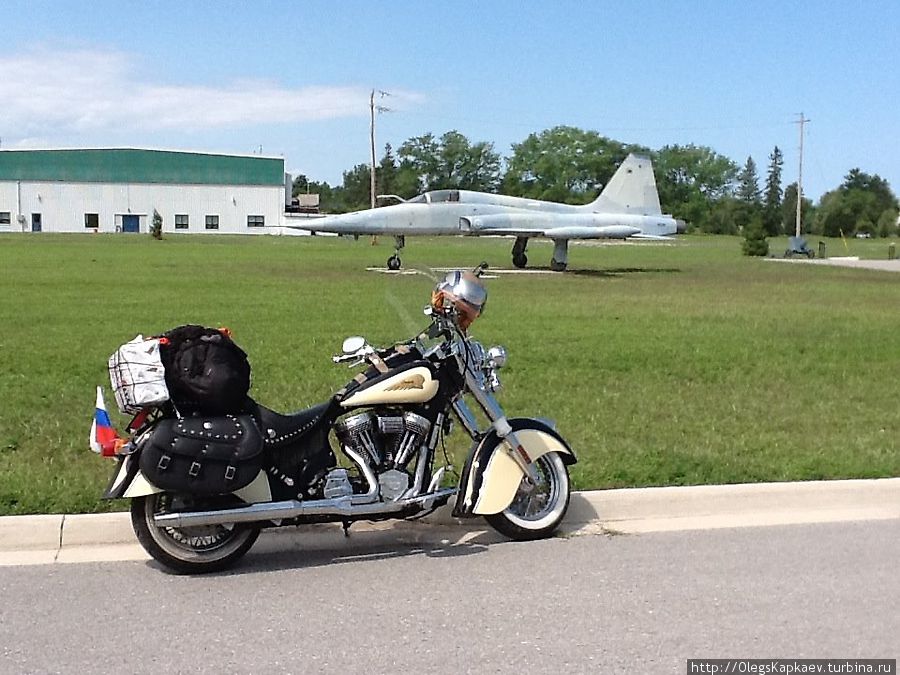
(279, 430)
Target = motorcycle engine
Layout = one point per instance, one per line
(388, 441)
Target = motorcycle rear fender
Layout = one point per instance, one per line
(128, 481)
(491, 478)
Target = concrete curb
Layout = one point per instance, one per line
(108, 536)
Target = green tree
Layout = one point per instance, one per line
(748, 183)
(393, 178)
(858, 202)
(156, 227)
(302, 184)
(887, 223)
(873, 184)
(563, 164)
(771, 215)
(451, 162)
(755, 242)
(789, 212)
(353, 193)
(725, 216)
(691, 179)
(748, 195)
(386, 173)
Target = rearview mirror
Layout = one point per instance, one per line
(353, 344)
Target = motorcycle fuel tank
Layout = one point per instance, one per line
(413, 385)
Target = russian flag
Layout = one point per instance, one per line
(103, 437)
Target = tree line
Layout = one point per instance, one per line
(567, 164)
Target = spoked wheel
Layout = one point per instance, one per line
(536, 513)
(189, 550)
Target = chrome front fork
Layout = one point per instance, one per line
(500, 424)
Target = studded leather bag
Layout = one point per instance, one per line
(203, 455)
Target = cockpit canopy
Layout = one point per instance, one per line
(436, 197)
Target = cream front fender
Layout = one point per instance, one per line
(492, 477)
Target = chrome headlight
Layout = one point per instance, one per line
(497, 356)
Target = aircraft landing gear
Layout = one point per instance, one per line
(393, 263)
(519, 258)
(560, 259)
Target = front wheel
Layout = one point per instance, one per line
(188, 550)
(535, 513)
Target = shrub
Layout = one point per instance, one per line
(156, 226)
(755, 242)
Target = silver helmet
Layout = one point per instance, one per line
(461, 295)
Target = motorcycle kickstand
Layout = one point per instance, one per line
(346, 525)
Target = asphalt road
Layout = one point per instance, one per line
(599, 604)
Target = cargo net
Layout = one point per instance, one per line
(137, 375)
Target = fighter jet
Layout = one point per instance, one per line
(627, 208)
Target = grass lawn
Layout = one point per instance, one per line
(662, 364)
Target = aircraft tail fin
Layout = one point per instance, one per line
(632, 189)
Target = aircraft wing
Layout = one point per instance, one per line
(652, 237)
(552, 226)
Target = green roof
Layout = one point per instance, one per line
(139, 166)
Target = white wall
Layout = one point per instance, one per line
(62, 205)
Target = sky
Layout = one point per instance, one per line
(293, 78)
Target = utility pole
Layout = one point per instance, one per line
(372, 140)
(801, 122)
(372, 110)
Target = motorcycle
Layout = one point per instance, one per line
(388, 422)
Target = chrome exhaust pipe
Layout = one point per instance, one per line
(292, 508)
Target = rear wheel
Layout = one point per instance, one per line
(536, 512)
(189, 550)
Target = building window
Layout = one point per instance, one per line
(181, 222)
(212, 222)
(4, 217)
(256, 221)
(92, 220)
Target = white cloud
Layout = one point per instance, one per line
(46, 93)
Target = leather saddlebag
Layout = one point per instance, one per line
(203, 455)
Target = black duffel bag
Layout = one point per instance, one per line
(206, 371)
(203, 455)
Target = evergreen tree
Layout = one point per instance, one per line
(156, 226)
(773, 194)
(755, 242)
(748, 183)
(386, 173)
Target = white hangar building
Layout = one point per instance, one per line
(117, 190)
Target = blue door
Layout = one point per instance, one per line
(131, 224)
(35, 222)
